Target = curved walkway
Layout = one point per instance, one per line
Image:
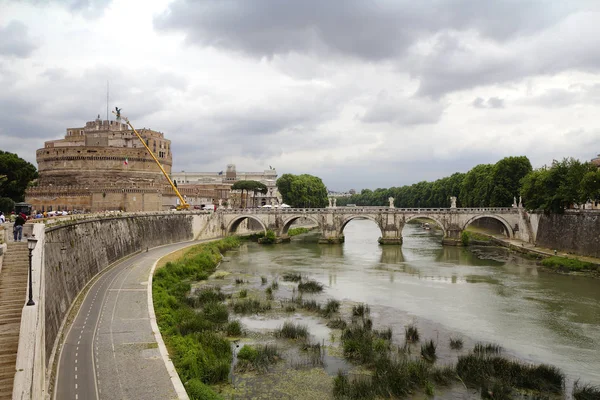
(110, 351)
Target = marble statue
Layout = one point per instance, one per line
(453, 202)
(334, 202)
(391, 200)
(329, 198)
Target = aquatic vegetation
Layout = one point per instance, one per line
(269, 293)
(297, 231)
(263, 280)
(568, 264)
(243, 293)
(315, 356)
(197, 390)
(428, 351)
(310, 305)
(456, 343)
(585, 391)
(239, 281)
(204, 295)
(310, 286)
(274, 285)
(290, 308)
(411, 333)
(257, 358)
(385, 334)
(488, 348)
(337, 323)
(331, 307)
(234, 328)
(360, 310)
(289, 330)
(357, 343)
(250, 306)
(477, 369)
(291, 277)
(216, 312)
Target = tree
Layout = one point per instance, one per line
(249, 186)
(506, 180)
(18, 175)
(302, 190)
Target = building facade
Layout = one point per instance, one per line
(102, 166)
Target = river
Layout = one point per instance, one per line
(484, 294)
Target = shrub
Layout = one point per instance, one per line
(310, 287)
(269, 238)
(248, 353)
(216, 313)
(197, 390)
(289, 330)
(411, 333)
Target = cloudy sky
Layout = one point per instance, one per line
(363, 93)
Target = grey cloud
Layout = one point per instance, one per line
(88, 8)
(560, 98)
(371, 30)
(492, 102)
(403, 110)
(15, 41)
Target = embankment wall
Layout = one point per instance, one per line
(575, 232)
(76, 252)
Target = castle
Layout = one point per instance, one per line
(103, 166)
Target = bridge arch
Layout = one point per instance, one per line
(504, 222)
(287, 223)
(353, 217)
(235, 223)
(434, 219)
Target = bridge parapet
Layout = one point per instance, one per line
(370, 209)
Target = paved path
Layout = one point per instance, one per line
(110, 351)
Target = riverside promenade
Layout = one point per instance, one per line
(112, 349)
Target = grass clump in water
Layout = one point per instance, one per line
(239, 281)
(205, 295)
(564, 264)
(585, 391)
(297, 231)
(234, 328)
(477, 369)
(243, 293)
(250, 306)
(274, 285)
(263, 280)
(310, 305)
(269, 293)
(411, 333)
(291, 277)
(428, 351)
(487, 348)
(310, 287)
(289, 330)
(456, 343)
(257, 358)
(337, 323)
(216, 313)
(331, 307)
(361, 310)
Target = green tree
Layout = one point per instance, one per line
(249, 186)
(302, 190)
(18, 175)
(506, 177)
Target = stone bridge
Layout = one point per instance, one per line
(332, 220)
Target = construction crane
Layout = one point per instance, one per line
(183, 204)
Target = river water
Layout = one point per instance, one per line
(484, 294)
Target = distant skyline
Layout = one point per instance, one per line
(362, 93)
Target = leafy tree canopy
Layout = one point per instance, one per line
(17, 175)
(302, 190)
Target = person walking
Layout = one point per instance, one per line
(18, 226)
(2, 218)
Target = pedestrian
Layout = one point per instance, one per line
(18, 227)
(2, 218)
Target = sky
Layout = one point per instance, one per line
(361, 93)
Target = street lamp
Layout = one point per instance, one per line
(31, 242)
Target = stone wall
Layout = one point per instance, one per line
(575, 231)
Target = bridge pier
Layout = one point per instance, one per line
(452, 237)
(331, 237)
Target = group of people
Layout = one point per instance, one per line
(18, 225)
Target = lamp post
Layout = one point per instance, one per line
(31, 242)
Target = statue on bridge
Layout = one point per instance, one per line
(334, 202)
(514, 204)
(329, 198)
(391, 200)
(520, 202)
(452, 201)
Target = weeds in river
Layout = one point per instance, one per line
(291, 277)
(385, 334)
(289, 330)
(477, 369)
(216, 313)
(360, 310)
(331, 307)
(337, 323)
(263, 280)
(456, 343)
(234, 328)
(205, 295)
(257, 358)
(314, 356)
(310, 305)
(487, 348)
(411, 333)
(243, 293)
(274, 285)
(582, 391)
(269, 293)
(250, 306)
(428, 351)
(310, 287)
(239, 281)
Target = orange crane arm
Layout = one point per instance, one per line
(184, 205)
